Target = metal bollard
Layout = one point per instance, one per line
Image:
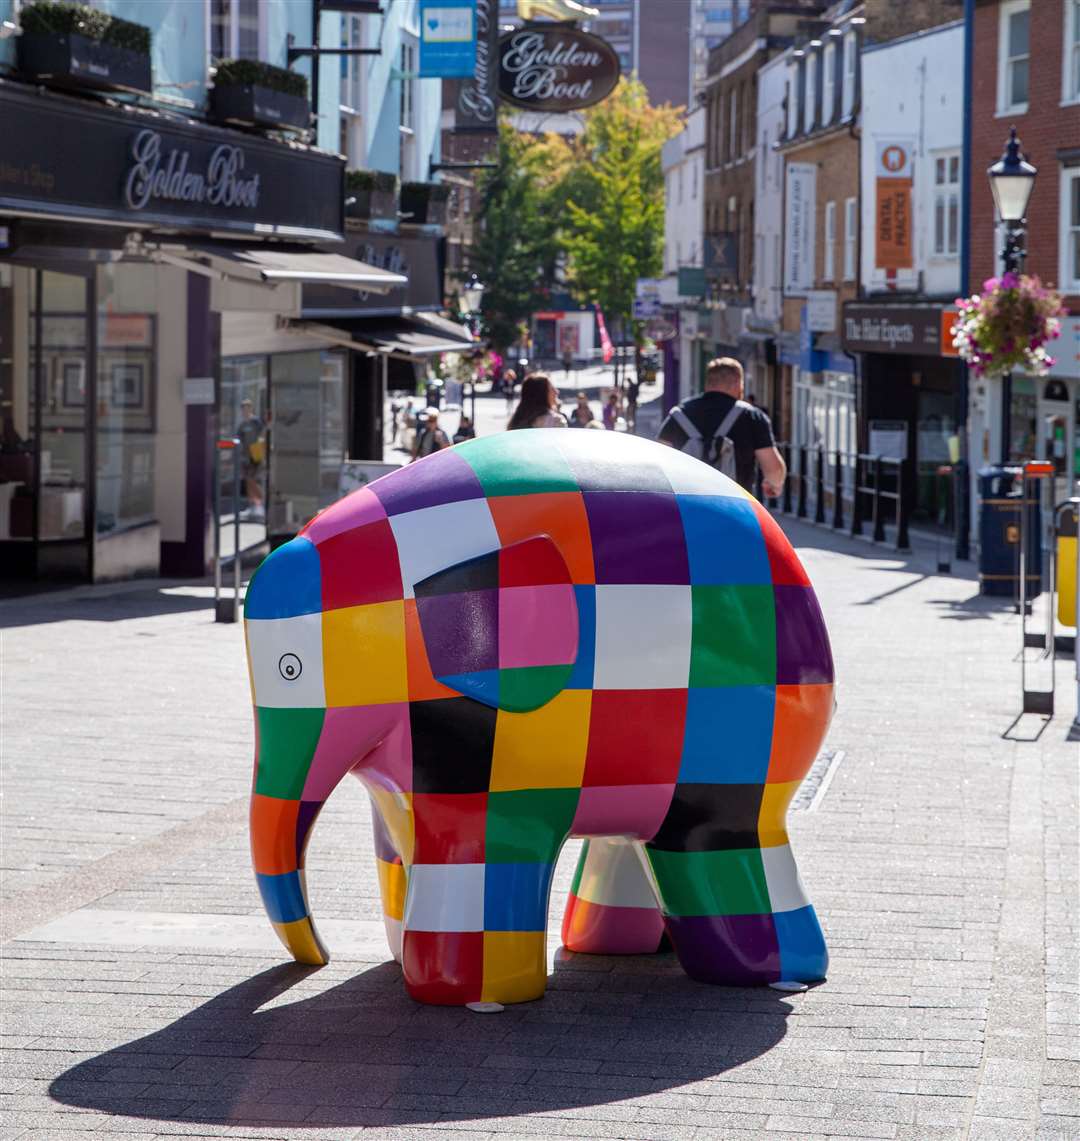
(819, 482)
(879, 521)
(227, 609)
(800, 510)
(903, 542)
(856, 497)
(786, 501)
(838, 493)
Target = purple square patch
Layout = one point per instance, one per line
(461, 631)
(637, 537)
(730, 950)
(443, 477)
(803, 655)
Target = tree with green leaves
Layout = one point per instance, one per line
(613, 231)
(513, 250)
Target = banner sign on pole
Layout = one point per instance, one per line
(893, 181)
(799, 218)
(478, 96)
(606, 347)
(447, 39)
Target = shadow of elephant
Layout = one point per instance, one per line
(362, 1053)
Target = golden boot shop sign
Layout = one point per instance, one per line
(552, 67)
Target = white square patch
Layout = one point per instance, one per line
(643, 636)
(690, 476)
(445, 897)
(435, 538)
(785, 888)
(287, 661)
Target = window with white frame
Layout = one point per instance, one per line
(792, 99)
(733, 124)
(693, 180)
(947, 204)
(679, 183)
(810, 101)
(829, 270)
(234, 29)
(1070, 72)
(828, 84)
(1070, 229)
(407, 126)
(850, 64)
(851, 223)
(1014, 55)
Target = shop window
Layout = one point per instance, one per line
(810, 103)
(244, 413)
(828, 85)
(407, 127)
(234, 29)
(1014, 58)
(851, 51)
(1070, 229)
(947, 204)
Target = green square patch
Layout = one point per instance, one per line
(287, 742)
(528, 826)
(517, 463)
(729, 882)
(734, 636)
(525, 688)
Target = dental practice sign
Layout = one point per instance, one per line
(553, 67)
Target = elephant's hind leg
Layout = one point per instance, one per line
(735, 907)
(392, 880)
(612, 909)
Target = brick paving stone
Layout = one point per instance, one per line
(942, 861)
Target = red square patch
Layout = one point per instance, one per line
(360, 566)
(449, 827)
(535, 562)
(783, 562)
(635, 736)
(444, 967)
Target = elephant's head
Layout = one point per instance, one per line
(349, 663)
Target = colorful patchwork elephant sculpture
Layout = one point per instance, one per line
(532, 636)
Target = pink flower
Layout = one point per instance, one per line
(990, 284)
(1009, 280)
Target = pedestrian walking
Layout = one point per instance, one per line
(465, 429)
(633, 387)
(581, 415)
(726, 431)
(509, 382)
(539, 404)
(429, 437)
(251, 431)
(612, 411)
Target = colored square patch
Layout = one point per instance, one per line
(537, 626)
(461, 631)
(635, 736)
(637, 537)
(734, 639)
(445, 897)
(799, 726)
(803, 655)
(443, 477)
(452, 743)
(360, 566)
(443, 967)
(449, 827)
(435, 538)
(286, 740)
(711, 817)
(581, 676)
(516, 896)
(286, 661)
(643, 637)
(529, 826)
(786, 892)
(518, 463)
(560, 515)
(635, 810)
(723, 540)
(545, 748)
(364, 654)
(772, 819)
(711, 883)
(515, 965)
(728, 735)
(357, 509)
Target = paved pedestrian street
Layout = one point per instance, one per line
(145, 993)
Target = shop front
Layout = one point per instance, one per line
(910, 411)
(127, 241)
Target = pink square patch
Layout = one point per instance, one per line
(537, 626)
(634, 810)
(349, 734)
(354, 510)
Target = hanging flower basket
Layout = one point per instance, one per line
(1008, 325)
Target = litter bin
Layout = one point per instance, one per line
(434, 393)
(1001, 492)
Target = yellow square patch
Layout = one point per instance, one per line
(392, 887)
(395, 808)
(364, 654)
(773, 812)
(515, 966)
(544, 748)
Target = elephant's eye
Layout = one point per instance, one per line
(289, 667)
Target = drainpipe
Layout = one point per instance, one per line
(962, 510)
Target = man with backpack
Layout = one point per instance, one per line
(725, 431)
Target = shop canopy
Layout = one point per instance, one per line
(273, 265)
(414, 336)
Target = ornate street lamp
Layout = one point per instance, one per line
(472, 293)
(1012, 180)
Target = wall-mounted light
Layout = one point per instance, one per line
(857, 20)
(815, 43)
(836, 31)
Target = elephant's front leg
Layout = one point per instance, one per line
(477, 897)
(612, 909)
(735, 907)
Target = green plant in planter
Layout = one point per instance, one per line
(64, 19)
(382, 181)
(255, 73)
(426, 191)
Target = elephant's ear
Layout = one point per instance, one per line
(503, 628)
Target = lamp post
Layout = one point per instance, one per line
(1011, 183)
(473, 294)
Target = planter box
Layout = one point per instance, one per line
(372, 204)
(422, 209)
(74, 61)
(259, 107)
